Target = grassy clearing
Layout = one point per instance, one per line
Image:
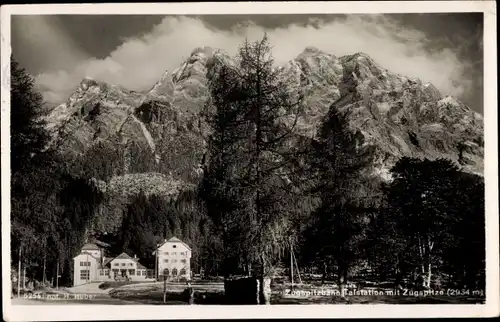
(154, 295)
(97, 300)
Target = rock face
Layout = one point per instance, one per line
(398, 115)
(95, 111)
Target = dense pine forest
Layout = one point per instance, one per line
(264, 190)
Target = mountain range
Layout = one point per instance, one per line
(397, 115)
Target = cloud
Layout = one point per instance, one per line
(40, 41)
(139, 62)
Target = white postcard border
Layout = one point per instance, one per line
(126, 312)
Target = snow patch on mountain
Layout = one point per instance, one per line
(147, 135)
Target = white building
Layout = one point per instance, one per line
(86, 264)
(91, 266)
(173, 260)
(124, 267)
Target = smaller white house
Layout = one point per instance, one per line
(173, 258)
(91, 266)
(124, 267)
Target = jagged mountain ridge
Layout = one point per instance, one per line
(398, 115)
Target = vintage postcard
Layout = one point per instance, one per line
(249, 160)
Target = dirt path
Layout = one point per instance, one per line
(83, 294)
(61, 301)
(90, 288)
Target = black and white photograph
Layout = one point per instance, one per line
(237, 160)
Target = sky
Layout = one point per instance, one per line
(134, 51)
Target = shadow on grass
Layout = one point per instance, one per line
(114, 284)
(155, 297)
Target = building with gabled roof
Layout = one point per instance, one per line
(173, 259)
(123, 256)
(174, 240)
(85, 266)
(91, 266)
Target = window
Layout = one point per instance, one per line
(84, 263)
(101, 272)
(123, 264)
(165, 272)
(174, 246)
(131, 272)
(165, 260)
(144, 273)
(116, 264)
(174, 253)
(183, 261)
(85, 274)
(174, 260)
(166, 253)
(183, 271)
(174, 272)
(131, 264)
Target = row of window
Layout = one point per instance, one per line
(175, 261)
(166, 272)
(104, 272)
(115, 264)
(123, 264)
(85, 274)
(175, 253)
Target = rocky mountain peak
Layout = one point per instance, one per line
(89, 82)
(205, 51)
(191, 73)
(398, 115)
(195, 66)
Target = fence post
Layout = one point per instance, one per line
(190, 294)
(265, 290)
(19, 275)
(164, 290)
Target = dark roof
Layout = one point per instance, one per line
(139, 265)
(102, 244)
(90, 246)
(106, 262)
